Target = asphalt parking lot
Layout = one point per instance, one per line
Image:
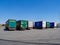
(30, 37)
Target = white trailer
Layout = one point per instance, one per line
(58, 25)
(30, 25)
(55, 24)
(44, 24)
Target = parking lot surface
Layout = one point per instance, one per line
(30, 37)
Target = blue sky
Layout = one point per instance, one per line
(35, 10)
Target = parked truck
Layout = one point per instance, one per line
(22, 24)
(30, 25)
(40, 24)
(47, 24)
(52, 24)
(10, 24)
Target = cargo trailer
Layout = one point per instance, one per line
(52, 24)
(22, 24)
(44, 24)
(10, 24)
(55, 25)
(40, 24)
(47, 24)
(30, 25)
(58, 25)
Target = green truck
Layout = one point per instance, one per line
(47, 24)
(22, 24)
(10, 24)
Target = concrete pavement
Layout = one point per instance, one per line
(37, 36)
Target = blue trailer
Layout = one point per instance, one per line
(51, 24)
(38, 25)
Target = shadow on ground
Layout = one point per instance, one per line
(28, 42)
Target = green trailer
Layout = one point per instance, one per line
(47, 24)
(10, 24)
(22, 24)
